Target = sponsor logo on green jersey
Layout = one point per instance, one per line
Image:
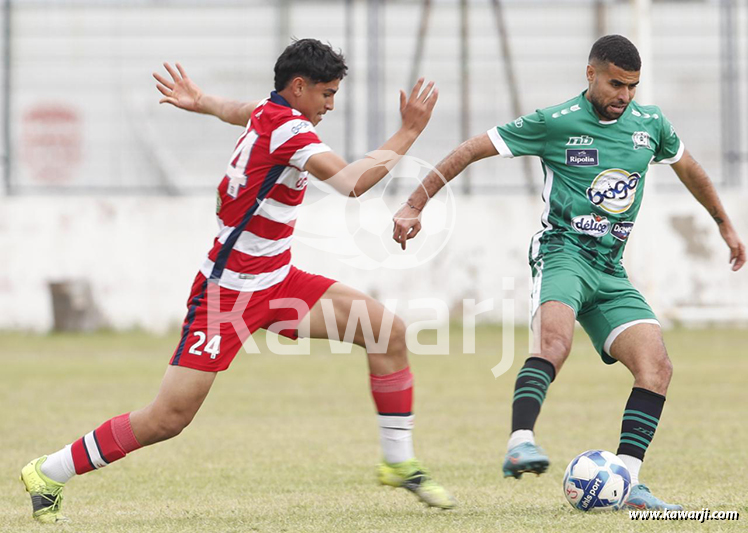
(581, 158)
(582, 140)
(614, 190)
(592, 224)
(622, 230)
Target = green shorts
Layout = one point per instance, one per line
(604, 305)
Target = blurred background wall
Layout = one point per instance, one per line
(102, 184)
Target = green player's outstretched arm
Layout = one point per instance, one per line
(700, 186)
(407, 221)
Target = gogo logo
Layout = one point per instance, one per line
(591, 224)
(622, 230)
(614, 190)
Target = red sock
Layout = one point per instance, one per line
(111, 441)
(393, 393)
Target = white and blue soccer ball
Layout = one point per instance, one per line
(596, 480)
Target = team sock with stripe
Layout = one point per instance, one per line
(59, 465)
(110, 442)
(393, 397)
(633, 465)
(530, 389)
(640, 419)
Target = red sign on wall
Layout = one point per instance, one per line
(51, 142)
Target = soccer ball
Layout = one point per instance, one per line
(596, 480)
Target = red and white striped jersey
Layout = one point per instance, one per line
(259, 198)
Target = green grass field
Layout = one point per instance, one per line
(289, 443)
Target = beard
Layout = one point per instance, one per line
(602, 110)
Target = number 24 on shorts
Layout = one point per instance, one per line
(213, 347)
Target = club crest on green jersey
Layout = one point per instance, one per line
(614, 190)
(641, 140)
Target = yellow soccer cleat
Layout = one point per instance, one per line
(412, 476)
(46, 494)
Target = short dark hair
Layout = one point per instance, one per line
(311, 59)
(618, 50)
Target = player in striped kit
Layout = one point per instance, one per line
(247, 281)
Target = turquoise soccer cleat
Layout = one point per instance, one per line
(641, 498)
(523, 458)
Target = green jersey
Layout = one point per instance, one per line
(594, 174)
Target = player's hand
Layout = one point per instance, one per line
(407, 224)
(737, 248)
(416, 110)
(181, 92)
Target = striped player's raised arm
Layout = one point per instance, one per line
(358, 177)
(183, 93)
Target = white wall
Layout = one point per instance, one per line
(141, 254)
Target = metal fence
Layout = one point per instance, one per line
(80, 112)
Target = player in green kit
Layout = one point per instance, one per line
(595, 150)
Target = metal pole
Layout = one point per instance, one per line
(642, 30)
(415, 68)
(465, 86)
(349, 133)
(512, 83)
(374, 75)
(6, 95)
(601, 16)
(729, 101)
(420, 42)
(284, 24)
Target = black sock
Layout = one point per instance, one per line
(640, 420)
(529, 392)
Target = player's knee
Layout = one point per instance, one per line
(171, 423)
(655, 373)
(665, 369)
(555, 348)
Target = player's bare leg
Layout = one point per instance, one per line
(182, 392)
(642, 350)
(553, 331)
(383, 335)
(385, 359)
